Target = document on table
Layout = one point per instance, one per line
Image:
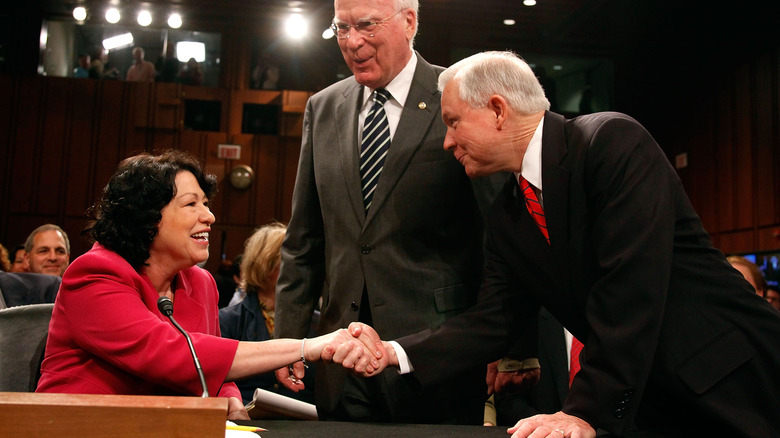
(267, 404)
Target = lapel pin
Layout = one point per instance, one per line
(422, 105)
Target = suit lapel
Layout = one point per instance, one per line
(408, 138)
(555, 181)
(348, 147)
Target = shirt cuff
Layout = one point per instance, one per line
(403, 360)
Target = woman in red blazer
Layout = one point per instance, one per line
(107, 335)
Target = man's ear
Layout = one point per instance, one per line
(498, 105)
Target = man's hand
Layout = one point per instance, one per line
(500, 378)
(380, 353)
(557, 425)
(291, 379)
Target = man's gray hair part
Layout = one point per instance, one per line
(504, 73)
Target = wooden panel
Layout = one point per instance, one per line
(120, 416)
(54, 141)
(737, 241)
(763, 93)
(743, 143)
(725, 158)
(291, 151)
(81, 112)
(25, 141)
(266, 178)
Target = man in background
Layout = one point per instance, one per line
(141, 70)
(47, 250)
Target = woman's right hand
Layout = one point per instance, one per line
(356, 348)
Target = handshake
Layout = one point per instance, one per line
(357, 348)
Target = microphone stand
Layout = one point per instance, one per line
(166, 308)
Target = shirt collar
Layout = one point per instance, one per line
(531, 168)
(399, 86)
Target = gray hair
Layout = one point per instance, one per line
(28, 244)
(410, 4)
(504, 73)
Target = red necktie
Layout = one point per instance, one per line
(574, 363)
(534, 207)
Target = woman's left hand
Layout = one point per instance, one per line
(236, 410)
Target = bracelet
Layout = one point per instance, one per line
(303, 359)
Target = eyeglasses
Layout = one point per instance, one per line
(365, 28)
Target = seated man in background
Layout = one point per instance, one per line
(22, 288)
(751, 272)
(47, 250)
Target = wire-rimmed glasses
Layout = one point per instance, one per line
(365, 28)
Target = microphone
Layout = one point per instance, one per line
(165, 305)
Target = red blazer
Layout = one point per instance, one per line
(106, 335)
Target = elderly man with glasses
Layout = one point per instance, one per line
(385, 226)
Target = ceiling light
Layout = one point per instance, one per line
(144, 18)
(80, 13)
(174, 21)
(118, 41)
(509, 22)
(112, 15)
(296, 27)
(529, 2)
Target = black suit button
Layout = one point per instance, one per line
(365, 249)
(619, 413)
(354, 306)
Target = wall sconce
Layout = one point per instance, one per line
(241, 177)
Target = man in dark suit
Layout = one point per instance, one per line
(676, 341)
(19, 289)
(406, 259)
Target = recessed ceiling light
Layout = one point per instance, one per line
(529, 2)
(509, 22)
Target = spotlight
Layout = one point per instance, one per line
(80, 13)
(112, 15)
(174, 21)
(144, 18)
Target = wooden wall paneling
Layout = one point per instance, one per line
(167, 111)
(768, 238)
(737, 241)
(763, 92)
(266, 148)
(700, 177)
(235, 206)
(82, 103)
(54, 150)
(291, 153)
(23, 183)
(745, 146)
(110, 145)
(238, 98)
(725, 157)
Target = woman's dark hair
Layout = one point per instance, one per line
(126, 218)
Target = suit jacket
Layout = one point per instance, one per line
(670, 329)
(107, 336)
(24, 288)
(418, 250)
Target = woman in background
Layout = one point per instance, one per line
(107, 336)
(252, 319)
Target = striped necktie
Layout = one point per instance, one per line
(534, 207)
(374, 146)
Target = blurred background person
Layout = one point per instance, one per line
(772, 295)
(235, 270)
(5, 262)
(141, 70)
(82, 68)
(18, 260)
(191, 74)
(47, 250)
(107, 336)
(252, 319)
(751, 272)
